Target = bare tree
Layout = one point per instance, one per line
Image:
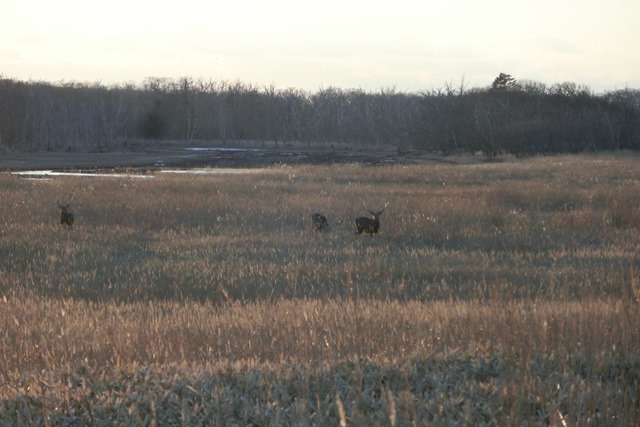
(188, 94)
(113, 115)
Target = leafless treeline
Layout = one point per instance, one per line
(529, 118)
(521, 118)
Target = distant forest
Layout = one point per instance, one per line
(508, 116)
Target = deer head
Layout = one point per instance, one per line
(66, 217)
(319, 222)
(369, 225)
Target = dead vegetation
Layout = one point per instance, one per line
(502, 293)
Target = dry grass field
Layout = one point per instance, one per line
(495, 294)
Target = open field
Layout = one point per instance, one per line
(503, 294)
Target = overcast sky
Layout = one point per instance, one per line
(408, 45)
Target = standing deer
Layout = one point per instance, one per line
(66, 217)
(369, 225)
(319, 222)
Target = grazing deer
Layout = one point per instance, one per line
(66, 217)
(319, 222)
(369, 225)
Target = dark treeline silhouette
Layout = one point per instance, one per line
(508, 116)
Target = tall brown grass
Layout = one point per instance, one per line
(501, 293)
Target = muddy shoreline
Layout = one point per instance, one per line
(176, 155)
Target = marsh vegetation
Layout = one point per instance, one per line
(500, 293)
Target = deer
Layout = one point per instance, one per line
(368, 225)
(66, 217)
(319, 222)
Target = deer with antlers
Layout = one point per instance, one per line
(66, 217)
(368, 225)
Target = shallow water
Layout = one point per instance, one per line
(50, 174)
(44, 174)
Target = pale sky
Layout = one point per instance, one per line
(405, 44)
